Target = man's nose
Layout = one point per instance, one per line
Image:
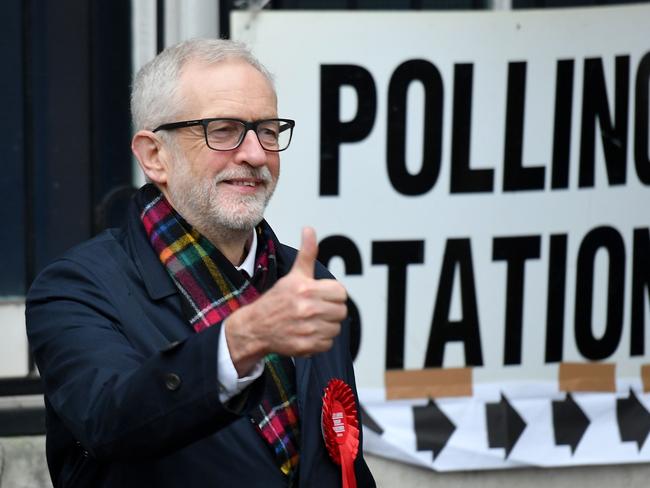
(251, 151)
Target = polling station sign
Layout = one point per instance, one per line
(480, 183)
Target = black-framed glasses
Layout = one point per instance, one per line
(225, 134)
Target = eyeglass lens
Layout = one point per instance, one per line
(274, 135)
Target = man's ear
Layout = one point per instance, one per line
(151, 155)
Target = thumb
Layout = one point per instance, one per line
(306, 258)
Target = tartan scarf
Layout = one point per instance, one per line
(211, 289)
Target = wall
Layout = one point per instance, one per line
(22, 465)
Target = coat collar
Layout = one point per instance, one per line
(156, 279)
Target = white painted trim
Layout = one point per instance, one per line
(14, 355)
(501, 5)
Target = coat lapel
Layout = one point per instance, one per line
(303, 370)
(303, 373)
(156, 279)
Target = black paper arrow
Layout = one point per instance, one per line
(432, 428)
(504, 425)
(633, 420)
(569, 422)
(368, 421)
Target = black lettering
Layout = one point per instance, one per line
(589, 346)
(423, 181)
(595, 108)
(333, 131)
(640, 290)
(641, 107)
(562, 124)
(556, 299)
(397, 255)
(344, 247)
(516, 177)
(463, 178)
(458, 253)
(514, 251)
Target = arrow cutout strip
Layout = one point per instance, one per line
(432, 428)
(569, 423)
(633, 419)
(504, 425)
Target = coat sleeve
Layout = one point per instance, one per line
(116, 401)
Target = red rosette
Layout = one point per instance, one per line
(341, 428)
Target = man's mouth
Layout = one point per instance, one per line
(244, 186)
(245, 182)
(251, 183)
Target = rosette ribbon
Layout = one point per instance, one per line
(341, 428)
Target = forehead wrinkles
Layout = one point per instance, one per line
(231, 88)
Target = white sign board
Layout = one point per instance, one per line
(479, 182)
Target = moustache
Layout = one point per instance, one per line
(262, 173)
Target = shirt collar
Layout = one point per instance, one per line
(248, 264)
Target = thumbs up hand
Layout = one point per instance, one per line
(298, 316)
(306, 257)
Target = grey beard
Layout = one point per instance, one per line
(213, 214)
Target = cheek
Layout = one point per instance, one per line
(209, 164)
(274, 166)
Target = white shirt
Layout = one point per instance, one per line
(230, 384)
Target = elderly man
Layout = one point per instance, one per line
(191, 348)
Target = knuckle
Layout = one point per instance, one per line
(343, 292)
(301, 328)
(333, 332)
(308, 329)
(305, 289)
(307, 309)
(304, 348)
(325, 345)
(342, 311)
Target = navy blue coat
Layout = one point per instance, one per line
(131, 390)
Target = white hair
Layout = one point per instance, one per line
(154, 97)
